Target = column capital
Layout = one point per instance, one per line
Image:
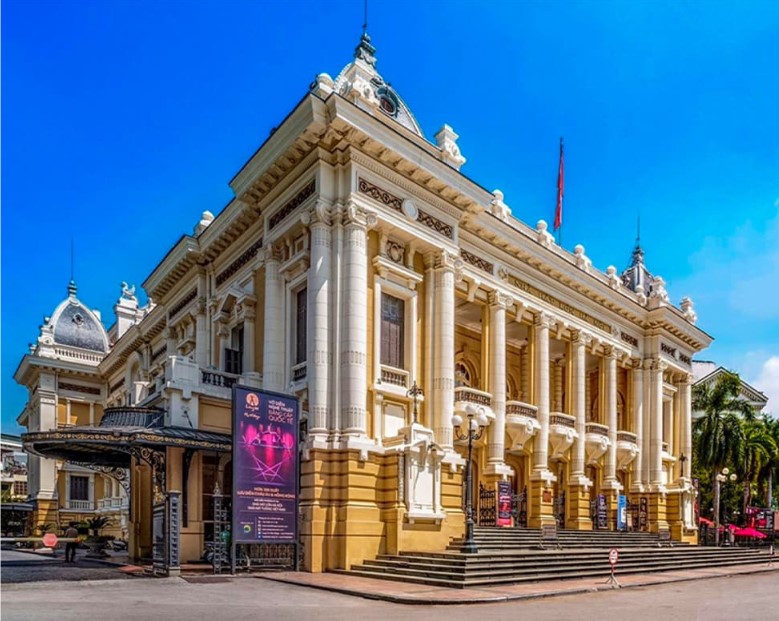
(356, 215)
(320, 214)
(580, 337)
(543, 320)
(685, 379)
(498, 299)
(445, 260)
(659, 365)
(609, 352)
(272, 253)
(636, 363)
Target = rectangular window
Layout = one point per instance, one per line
(79, 488)
(392, 320)
(301, 317)
(233, 361)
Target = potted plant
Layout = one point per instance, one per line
(95, 541)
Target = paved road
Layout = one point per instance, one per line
(751, 597)
(25, 567)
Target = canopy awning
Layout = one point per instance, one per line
(113, 446)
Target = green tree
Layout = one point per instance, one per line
(757, 451)
(769, 473)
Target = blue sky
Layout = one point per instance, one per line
(122, 121)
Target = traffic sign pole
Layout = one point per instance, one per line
(613, 558)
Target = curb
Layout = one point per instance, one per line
(410, 600)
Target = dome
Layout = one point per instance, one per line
(74, 325)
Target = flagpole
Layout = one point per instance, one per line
(558, 216)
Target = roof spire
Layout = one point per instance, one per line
(364, 50)
(365, 20)
(72, 283)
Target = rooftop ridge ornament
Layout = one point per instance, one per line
(72, 289)
(364, 50)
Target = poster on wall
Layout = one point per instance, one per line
(265, 466)
(504, 503)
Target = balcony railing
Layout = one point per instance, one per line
(471, 395)
(299, 372)
(80, 505)
(518, 408)
(218, 378)
(128, 416)
(564, 420)
(626, 436)
(112, 503)
(394, 376)
(601, 430)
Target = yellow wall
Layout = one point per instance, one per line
(214, 417)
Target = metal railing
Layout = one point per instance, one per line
(80, 505)
(299, 372)
(626, 436)
(518, 408)
(129, 416)
(564, 420)
(597, 428)
(471, 395)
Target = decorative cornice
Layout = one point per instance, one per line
(181, 305)
(439, 226)
(246, 256)
(292, 204)
(88, 390)
(477, 261)
(378, 194)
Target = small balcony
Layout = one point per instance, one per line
(521, 424)
(562, 433)
(79, 505)
(112, 504)
(392, 376)
(464, 396)
(129, 416)
(596, 442)
(299, 372)
(627, 449)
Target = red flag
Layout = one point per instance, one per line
(558, 214)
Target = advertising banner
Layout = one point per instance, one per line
(603, 512)
(265, 466)
(504, 503)
(622, 512)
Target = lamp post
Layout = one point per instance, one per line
(415, 392)
(474, 431)
(720, 478)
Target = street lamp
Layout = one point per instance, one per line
(474, 431)
(720, 478)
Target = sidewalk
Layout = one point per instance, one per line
(407, 593)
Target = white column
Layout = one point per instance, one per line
(587, 395)
(249, 316)
(498, 305)
(558, 366)
(656, 424)
(91, 413)
(610, 389)
(637, 376)
(541, 389)
(354, 322)
(443, 370)
(430, 339)
(47, 420)
(318, 312)
(274, 335)
(578, 377)
(686, 416)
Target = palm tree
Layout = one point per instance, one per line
(770, 471)
(718, 433)
(758, 449)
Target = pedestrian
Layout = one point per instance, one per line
(70, 546)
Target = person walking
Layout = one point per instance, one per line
(70, 546)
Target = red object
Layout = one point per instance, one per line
(703, 520)
(558, 214)
(749, 532)
(50, 540)
(613, 556)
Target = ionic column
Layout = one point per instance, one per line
(443, 369)
(646, 461)
(587, 395)
(638, 418)
(685, 413)
(656, 440)
(610, 389)
(354, 322)
(541, 389)
(318, 367)
(498, 305)
(558, 366)
(578, 381)
(273, 341)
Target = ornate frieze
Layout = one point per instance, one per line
(292, 205)
(115, 386)
(629, 339)
(187, 299)
(685, 359)
(89, 390)
(477, 261)
(447, 230)
(668, 350)
(159, 353)
(242, 260)
(379, 194)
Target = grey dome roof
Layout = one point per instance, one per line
(74, 325)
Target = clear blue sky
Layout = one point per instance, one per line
(123, 120)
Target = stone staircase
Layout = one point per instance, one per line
(510, 556)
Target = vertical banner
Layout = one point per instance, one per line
(504, 503)
(622, 510)
(603, 512)
(265, 466)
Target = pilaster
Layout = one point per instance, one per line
(273, 342)
(443, 369)
(498, 304)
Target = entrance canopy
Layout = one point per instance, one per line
(121, 433)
